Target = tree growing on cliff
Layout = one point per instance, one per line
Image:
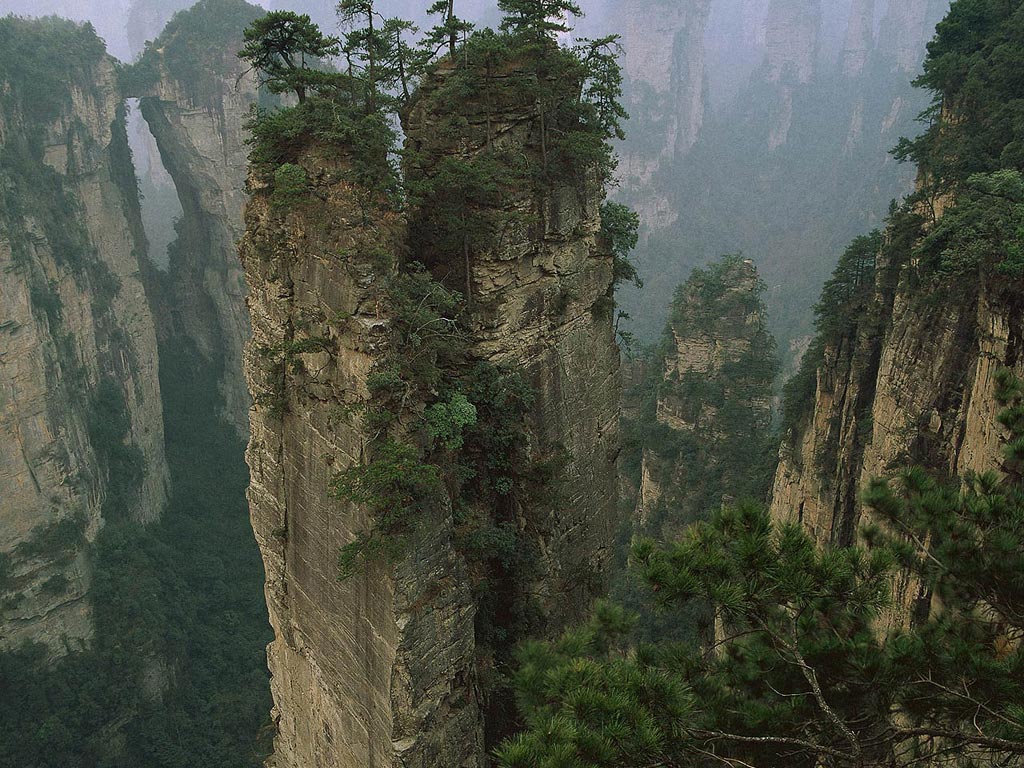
(538, 18)
(801, 670)
(447, 32)
(283, 48)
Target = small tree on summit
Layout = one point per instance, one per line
(448, 31)
(540, 18)
(280, 47)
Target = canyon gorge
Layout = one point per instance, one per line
(345, 477)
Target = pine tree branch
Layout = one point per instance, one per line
(792, 742)
(993, 742)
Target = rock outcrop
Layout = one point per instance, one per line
(81, 430)
(859, 40)
(714, 401)
(195, 95)
(377, 668)
(390, 666)
(666, 82)
(912, 384)
(905, 29)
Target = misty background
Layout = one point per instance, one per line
(760, 127)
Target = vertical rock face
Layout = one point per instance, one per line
(859, 38)
(541, 305)
(792, 35)
(386, 668)
(913, 386)
(715, 398)
(81, 430)
(906, 27)
(196, 96)
(665, 68)
(376, 670)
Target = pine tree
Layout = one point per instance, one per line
(284, 47)
(800, 672)
(448, 32)
(538, 18)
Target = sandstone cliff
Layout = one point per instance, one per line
(713, 414)
(397, 664)
(81, 430)
(911, 382)
(666, 82)
(196, 96)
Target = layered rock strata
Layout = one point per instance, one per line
(385, 667)
(913, 385)
(81, 430)
(196, 96)
(714, 398)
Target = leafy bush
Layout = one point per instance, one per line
(290, 186)
(619, 228)
(984, 230)
(401, 492)
(446, 421)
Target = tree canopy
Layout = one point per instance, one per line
(284, 47)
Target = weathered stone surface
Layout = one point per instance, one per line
(919, 390)
(383, 669)
(199, 128)
(720, 361)
(541, 305)
(905, 29)
(65, 327)
(859, 40)
(376, 670)
(666, 84)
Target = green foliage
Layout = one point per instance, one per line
(448, 32)
(290, 186)
(281, 136)
(426, 338)
(401, 492)
(843, 306)
(445, 421)
(984, 230)
(619, 227)
(179, 601)
(194, 44)
(973, 72)
(377, 56)
(538, 18)
(801, 669)
(109, 429)
(459, 205)
(283, 48)
(729, 448)
(58, 541)
(41, 59)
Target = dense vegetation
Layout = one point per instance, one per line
(449, 433)
(191, 47)
(727, 450)
(800, 670)
(176, 675)
(813, 662)
(722, 445)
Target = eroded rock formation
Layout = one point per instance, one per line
(389, 666)
(195, 95)
(665, 67)
(912, 384)
(81, 429)
(714, 401)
